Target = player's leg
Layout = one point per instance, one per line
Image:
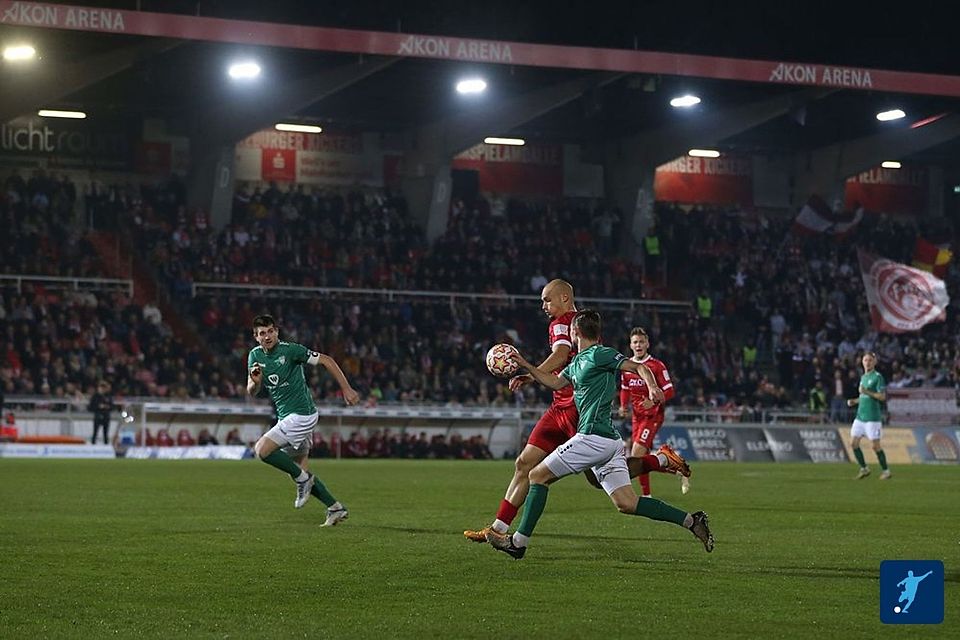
(641, 442)
(616, 482)
(269, 449)
(875, 429)
(552, 430)
(857, 433)
(578, 453)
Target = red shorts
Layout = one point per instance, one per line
(644, 430)
(555, 426)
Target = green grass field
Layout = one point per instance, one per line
(215, 549)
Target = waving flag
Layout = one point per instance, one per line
(817, 217)
(901, 298)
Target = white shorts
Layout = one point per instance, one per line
(294, 433)
(871, 430)
(605, 456)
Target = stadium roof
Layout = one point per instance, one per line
(183, 79)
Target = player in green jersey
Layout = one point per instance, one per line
(279, 366)
(869, 420)
(593, 372)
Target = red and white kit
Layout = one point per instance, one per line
(646, 421)
(559, 421)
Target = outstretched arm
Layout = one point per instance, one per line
(545, 378)
(653, 389)
(557, 358)
(350, 395)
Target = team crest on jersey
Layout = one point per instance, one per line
(282, 360)
(273, 378)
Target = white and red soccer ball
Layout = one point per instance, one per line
(500, 362)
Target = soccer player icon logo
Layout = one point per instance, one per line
(909, 584)
(903, 600)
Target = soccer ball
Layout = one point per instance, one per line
(499, 362)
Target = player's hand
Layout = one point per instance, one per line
(851, 403)
(646, 404)
(350, 396)
(862, 389)
(517, 382)
(256, 373)
(623, 411)
(656, 395)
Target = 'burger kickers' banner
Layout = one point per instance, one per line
(901, 298)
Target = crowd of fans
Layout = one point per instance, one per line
(777, 320)
(796, 302)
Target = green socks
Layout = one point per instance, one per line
(659, 510)
(319, 491)
(285, 463)
(882, 457)
(858, 454)
(532, 509)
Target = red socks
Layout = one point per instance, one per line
(507, 512)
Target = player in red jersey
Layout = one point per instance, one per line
(647, 415)
(558, 423)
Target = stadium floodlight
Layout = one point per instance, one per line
(246, 70)
(57, 113)
(704, 153)
(516, 142)
(892, 114)
(685, 101)
(471, 85)
(299, 128)
(19, 52)
(890, 164)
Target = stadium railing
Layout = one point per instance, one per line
(501, 427)
(73, 284)
(398, 295)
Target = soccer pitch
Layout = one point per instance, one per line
(215, 549)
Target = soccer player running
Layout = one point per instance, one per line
(868, 422)
(279, 365)
(558, 423)
(593, 376)
(647, 414)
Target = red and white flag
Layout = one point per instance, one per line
(901, 298)
(817, 217)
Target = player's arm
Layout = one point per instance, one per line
(666, 384)
(254, 379)
(876, 395)
(350, 395)
(624, 398)
(557, 359)
(546, 378)
(852, 402)
(653, 389)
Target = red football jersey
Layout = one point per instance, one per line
(632, 387)
(559, 333)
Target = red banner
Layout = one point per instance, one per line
(154, 158)
(901, 298)
(689, 180)
(279, 165)
(889, 190)
(185, 27)
(528, 169)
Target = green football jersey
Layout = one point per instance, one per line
(283, 377)
(868, 410)
(594, 376)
